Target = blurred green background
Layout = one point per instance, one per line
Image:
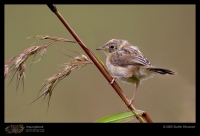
(165, 34)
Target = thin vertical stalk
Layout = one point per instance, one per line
(96, 62)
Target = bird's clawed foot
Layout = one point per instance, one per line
(131, 101)
(114, 77)
(112, 81)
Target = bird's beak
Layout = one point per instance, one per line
(100, 48)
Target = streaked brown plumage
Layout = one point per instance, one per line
(128, 64)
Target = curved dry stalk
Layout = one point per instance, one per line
(18, 66)
(43, 37)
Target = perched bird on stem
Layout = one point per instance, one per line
(127, 63)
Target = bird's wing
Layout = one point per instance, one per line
(129, 56)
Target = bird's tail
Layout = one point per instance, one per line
(162, 71)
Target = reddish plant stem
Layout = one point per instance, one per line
(96, 62)
(146, 117)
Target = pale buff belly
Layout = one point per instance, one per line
(126, 75)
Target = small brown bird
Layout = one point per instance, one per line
(128, 64)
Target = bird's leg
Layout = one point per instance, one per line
(115, 77)
(132, 99)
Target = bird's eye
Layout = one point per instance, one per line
(112, 46)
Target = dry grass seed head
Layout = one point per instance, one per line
(52, 81)
(44, 37)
